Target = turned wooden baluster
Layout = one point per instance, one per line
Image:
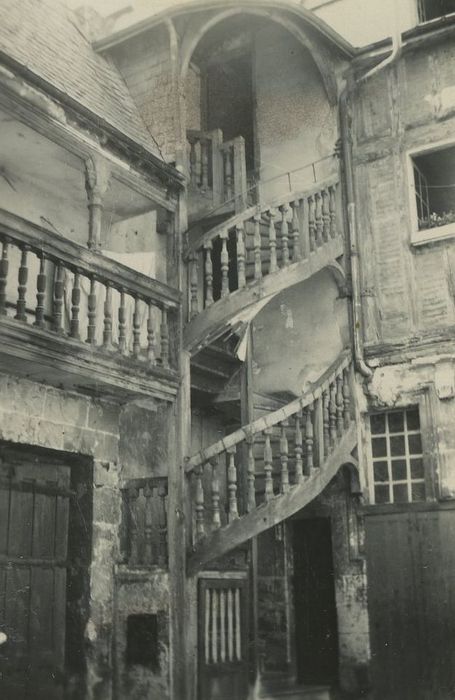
(232, 485)
(164, 335)
(208, 270)
(295, 229)
(326, 422)
(57, 316)
(136, 329)
(132, 499)
(284, 457)
(151, 338)
(216, 517)
(122, 323)
(75, 306)
(346, 399)
(22, 278)
(227, 174)
(318, 218)
(272, 242)
(332, 211)
(298, 449)
(309, 440)
(198, 162)
(194, 283)
(333, 415)
(204, 165)
(199, 503)
(251, 501)
(224, 259)
(340, 405)
(268, 466)
(40, 293)
(193, 169)
(162, 551)
(257, 243)
(91, 313)
(240, 256)
(311, 223)
(148, 524)
(284, 236)
(4, 265)
(325, 214)
(107, 331)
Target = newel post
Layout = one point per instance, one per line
(97, 178)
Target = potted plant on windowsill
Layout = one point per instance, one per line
(435, 227)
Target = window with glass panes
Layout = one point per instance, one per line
(396, 445)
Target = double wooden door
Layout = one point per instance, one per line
(34, 511)
(411, 603)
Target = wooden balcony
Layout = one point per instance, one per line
(78, 319)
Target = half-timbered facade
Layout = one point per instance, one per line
(226, 362)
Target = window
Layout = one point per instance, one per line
(431, 9)
(398, 473)
(433, 180)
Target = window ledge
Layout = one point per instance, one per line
(432, 235)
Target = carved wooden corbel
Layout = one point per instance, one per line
(97, 180)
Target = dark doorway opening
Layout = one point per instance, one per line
(314, 597)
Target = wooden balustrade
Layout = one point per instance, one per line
(60, 287)
(259, 241)
(145, 522)
(217, 169)
(282, 450)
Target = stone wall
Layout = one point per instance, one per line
(119, 445)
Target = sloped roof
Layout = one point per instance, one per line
(43, 37)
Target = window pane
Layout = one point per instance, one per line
(381, 494)
(415, 444)
(418, 492)
(397, 445)
(399, 470)
(379, 447)
(377, 423)
(381, 472)
(396, 422)
(400, 493)
(412, 418)
(417, 468)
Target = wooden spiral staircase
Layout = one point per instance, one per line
(267, 470)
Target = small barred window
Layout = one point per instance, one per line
(396, 445)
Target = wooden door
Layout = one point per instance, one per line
(223, 639)
(411, 602)
(34, 508)
(314, 600)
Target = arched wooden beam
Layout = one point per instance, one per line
(195, 33)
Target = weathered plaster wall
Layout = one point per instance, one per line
(146, 66)
(310, 328)
(193, 97)
(295, 123)
(406, 292)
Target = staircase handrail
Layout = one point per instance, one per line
(258, 210)
(272, 419)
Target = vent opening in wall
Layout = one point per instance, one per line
(142, 647)
(431, 9)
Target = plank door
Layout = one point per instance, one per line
(223, 639)
(314, 599)
(34, 507)
(411, 603)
